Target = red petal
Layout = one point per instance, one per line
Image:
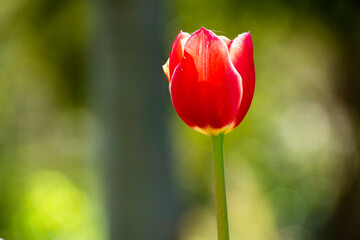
(205, 87)
(177, 51)
(241, 53)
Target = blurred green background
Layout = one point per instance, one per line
(292, 166)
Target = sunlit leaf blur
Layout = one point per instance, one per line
(292, 166)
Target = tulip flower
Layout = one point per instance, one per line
(211, 83)
(211, 80)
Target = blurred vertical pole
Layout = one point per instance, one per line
(130, 94)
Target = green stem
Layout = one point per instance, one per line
(220, 189)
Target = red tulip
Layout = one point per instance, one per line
(211, 80)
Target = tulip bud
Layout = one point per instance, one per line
(211, 80)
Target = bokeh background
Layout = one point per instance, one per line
(91, 147)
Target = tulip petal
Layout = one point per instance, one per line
(241, 54)
(205, 87)
(227, 41)
(166, 69)
(177, 51)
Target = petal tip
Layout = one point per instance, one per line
(245, 35)
(203, 29)
(166, 70)
(204, 33)
(244, 38)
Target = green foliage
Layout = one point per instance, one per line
(44, 156)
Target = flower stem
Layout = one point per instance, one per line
(220, 189)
